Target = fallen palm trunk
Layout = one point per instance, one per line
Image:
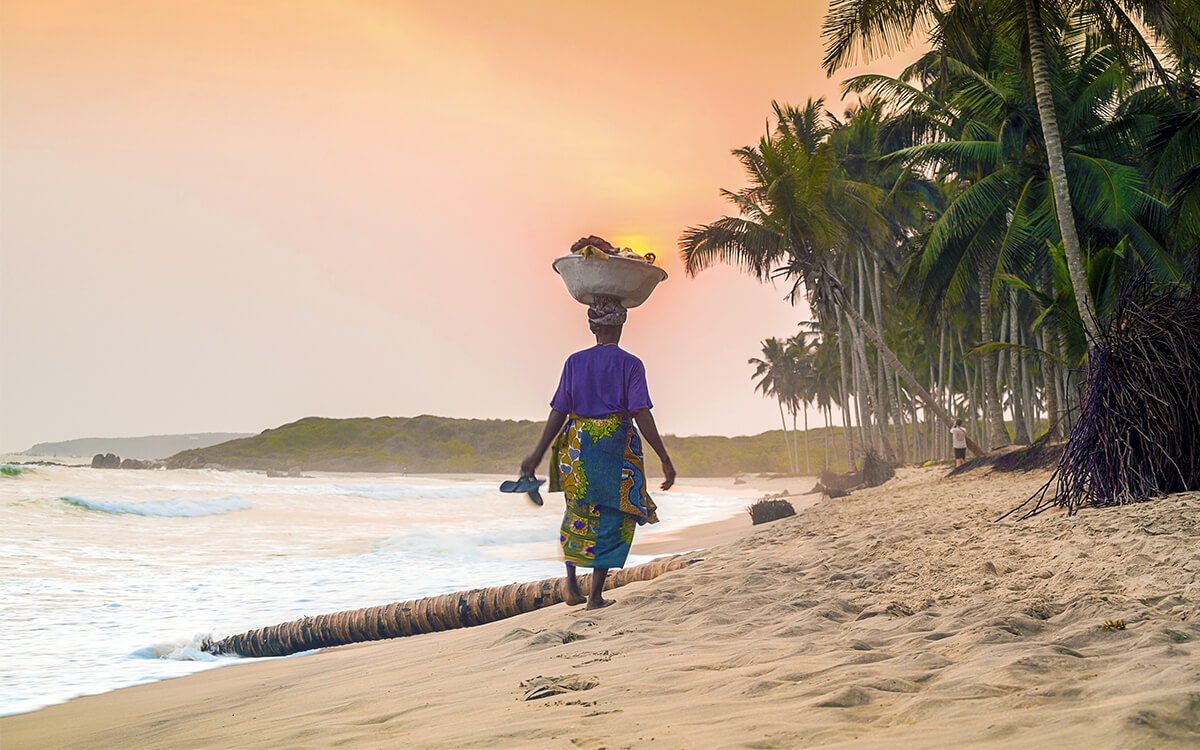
(431, 614)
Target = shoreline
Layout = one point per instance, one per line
(111, 662)
(901, 615)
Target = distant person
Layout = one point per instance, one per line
(959, 436)
(597, 458)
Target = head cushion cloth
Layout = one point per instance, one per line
(606, 311)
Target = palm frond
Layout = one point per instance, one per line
(735, 241)
(961, 157)
(900, 94)
(1008, 346)
(864, 29)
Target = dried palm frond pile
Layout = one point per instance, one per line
(770, 509)
(1138, 432)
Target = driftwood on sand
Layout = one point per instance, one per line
(875, 471)
(428, 615)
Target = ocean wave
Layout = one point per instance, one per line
(177, 508)
(412, 491)
(381, 491)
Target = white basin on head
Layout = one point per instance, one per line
(627, 279)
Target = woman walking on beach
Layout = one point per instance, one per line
(597, 454)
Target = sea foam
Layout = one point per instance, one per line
(177, 508)
(414, 491)
(189, 649)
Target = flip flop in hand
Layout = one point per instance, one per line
(528, 485)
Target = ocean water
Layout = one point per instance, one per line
(111, 578)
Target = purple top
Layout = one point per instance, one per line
(602, 380)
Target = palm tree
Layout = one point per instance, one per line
(874, 26)
(906, 200)
(793, 220)
(826, 385)
(802, 360)
(999, 219)
(773, 372)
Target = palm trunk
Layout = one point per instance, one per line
(825, 434)
(864, 423)
(890, 357)
(945, 385)
(915, 420)
(796, 442)
(1049, 384)
(1058, 169)
(1049, 340)
(931, 448)
(851, 458)
(972, 390)
(874, 378)
(882, 403)
(1015, 381)
(807, 454)
(870, 401)
(866, 400)
(1029, 395)
(446, 612)
(892, 395)
(997, 434)
(786, 442)
(862, 397)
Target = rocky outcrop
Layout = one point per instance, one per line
(135, 463)
(187, 460)
(113, 461)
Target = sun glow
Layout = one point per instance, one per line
(641, 243)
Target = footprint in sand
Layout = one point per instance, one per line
(847, 698)
(544, 687)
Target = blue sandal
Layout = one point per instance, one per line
(528, 485)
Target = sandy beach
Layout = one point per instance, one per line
(901, 616)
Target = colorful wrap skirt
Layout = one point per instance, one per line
(597, 463)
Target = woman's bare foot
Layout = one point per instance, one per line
(600, 604)
(574, 596)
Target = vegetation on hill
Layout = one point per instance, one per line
(427, 444)
(146, 447)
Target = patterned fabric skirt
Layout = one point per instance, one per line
(596, 536)
(597, 463)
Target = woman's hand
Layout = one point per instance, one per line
(668, 475)
(554, 423)
(645, 423)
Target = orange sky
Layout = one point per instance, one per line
(221, 215)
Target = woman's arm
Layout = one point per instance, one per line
(645, 423)
(554, 423)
